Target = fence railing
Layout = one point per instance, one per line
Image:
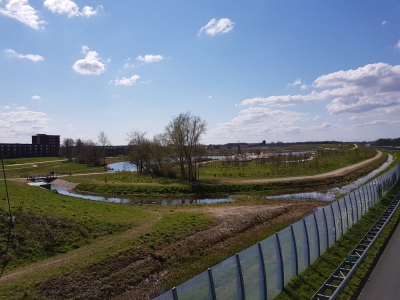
(261, 271)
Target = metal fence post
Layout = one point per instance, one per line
(295, 252)
(340, 216)
(334, 223)
(318, 240)
(263, 289)
(308, 243)
(281, 280)
(326, 227)
(174, 294)
(211, 281)
(347, 212)
(239, 268)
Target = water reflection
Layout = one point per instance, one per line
(121, 166)
(332, 193)
(143, 200)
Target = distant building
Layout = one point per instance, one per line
(42, 145)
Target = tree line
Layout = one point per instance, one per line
(173, 153)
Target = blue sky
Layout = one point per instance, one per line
(288, 71)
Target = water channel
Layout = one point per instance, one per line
(126, 166)
(331, 194)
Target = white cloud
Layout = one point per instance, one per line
(22, 108)
(23, 12)
(296, 82)
(32, 57)
(214, 27)
(149, 58)
(36, 97)
(209, 97)
(258, 121)
(15, 124)
(317, 117)
(7, 107)
(127, 66)
(384, 22)
(397, 45)
(304, 87)
(70, 8)
(90, 65)
(126, 81)
(373, 87)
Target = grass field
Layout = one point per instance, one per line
(63, 247)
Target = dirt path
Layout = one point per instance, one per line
(337, 172)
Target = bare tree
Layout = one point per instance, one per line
(139, 153)
(67, 148)
(104, 142)
(182, 136)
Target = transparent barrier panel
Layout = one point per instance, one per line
(252, 273)
(197, 288)
(301, 244)
(331, 224)
(364, 199)
(350, 221)
(166, 296)
(338, 219)
(312, 237)
(273, 270)
(289, 257)
(354, 207)
(359, 205)
(323, 234)
(226, 279)
(368, 202)
(344, 217)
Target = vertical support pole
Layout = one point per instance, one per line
(326, 227)
(295, 252)
(347, 212)
(239, 268)
(174, 294)
(308, 243)
(263, 282)
(361, 202)
(212, 287)
(282, 279)
(317, 239)
(340, 217)
(334, 223)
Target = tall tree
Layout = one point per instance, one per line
(67, 148)
(104, 142)
(182, 136)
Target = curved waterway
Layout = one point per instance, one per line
(143, 200)
(331, 194)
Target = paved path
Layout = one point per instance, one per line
(384, 281)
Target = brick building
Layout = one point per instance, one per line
(42, 145)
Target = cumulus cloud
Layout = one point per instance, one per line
(378, 122)
(370, 88)
(150, 58)
(215, 27)
(23, 12)
(90, 65)
(259, 121)
(22, 122)
(36, 97)
(126, 81)
(32, 57)
(71, 9)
